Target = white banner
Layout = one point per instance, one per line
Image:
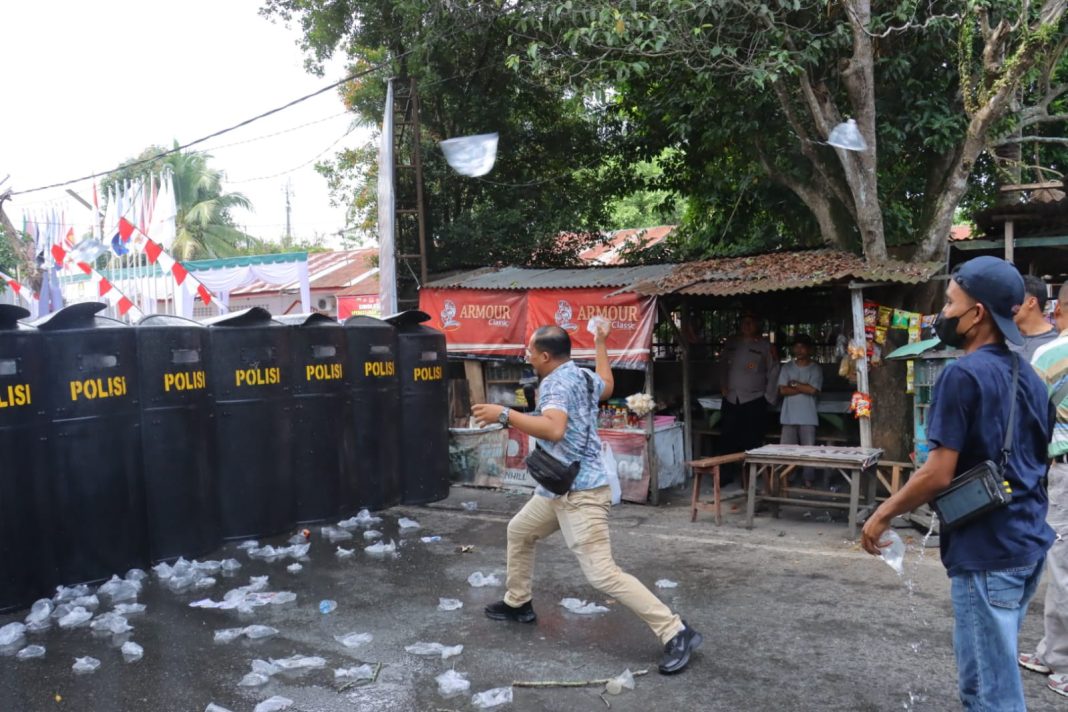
(387, 258)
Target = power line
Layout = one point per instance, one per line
(295, 168)
(370, 70)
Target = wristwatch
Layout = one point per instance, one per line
(503, 417)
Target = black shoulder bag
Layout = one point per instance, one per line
(550, 473)
(983, 488)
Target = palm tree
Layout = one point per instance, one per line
(205, 228)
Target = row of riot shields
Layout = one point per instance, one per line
(126, 445)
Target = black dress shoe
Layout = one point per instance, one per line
(501, 611)
(678, 650)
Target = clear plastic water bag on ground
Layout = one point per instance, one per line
(259, 632)
(445, 651)
(274, 704)
(354, 640)
(449, 604)
(452, 683)
(40, 615)
(381, 548)
(478, 580)
(300, 662)
(132, 652)
(666, 583)
(30, 652)
(359, 672)
(492, 698)
(84, 666)
(77, 617)
(576, 605)
(11, 634)
(405, 523)
(254, 679)
(623, 681)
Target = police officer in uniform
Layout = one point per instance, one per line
(749, 375)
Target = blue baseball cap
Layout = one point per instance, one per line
(998, 286)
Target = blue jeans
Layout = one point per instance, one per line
(989, 607)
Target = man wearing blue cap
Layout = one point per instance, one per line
(995, 560)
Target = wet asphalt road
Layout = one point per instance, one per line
(794, 617)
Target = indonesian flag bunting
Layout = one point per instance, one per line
(126, 229)
(18, 289)
(59, 255)
(111, 294)
(153, 251)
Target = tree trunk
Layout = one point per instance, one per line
(861, 167)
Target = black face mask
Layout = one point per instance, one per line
(945, 328)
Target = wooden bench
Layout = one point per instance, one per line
(896, 471)
(709, 466)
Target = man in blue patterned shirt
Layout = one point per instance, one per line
(565, 424)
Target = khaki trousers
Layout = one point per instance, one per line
(582, 518)
(1053, 648)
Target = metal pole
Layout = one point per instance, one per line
(650, 438)
(687, 396)
(857, 298)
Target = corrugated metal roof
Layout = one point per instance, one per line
(780, 271)
(620, 240)
(523, 278)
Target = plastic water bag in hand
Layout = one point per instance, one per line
(893, 553)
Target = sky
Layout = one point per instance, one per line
(88, 85)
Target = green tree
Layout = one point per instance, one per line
(546, 180)
(205, 228)
(749, 91)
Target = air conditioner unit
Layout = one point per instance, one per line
(326, 304)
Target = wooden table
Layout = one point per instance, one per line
(776, 462)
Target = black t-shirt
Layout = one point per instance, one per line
(969, 414)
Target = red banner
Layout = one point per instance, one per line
(632, 317)
(358, 305)
(475, 321)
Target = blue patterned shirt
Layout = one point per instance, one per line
(567, 389)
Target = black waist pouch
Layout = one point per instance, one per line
(550, 473)
(980, 490)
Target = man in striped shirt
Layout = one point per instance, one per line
(1051, 656)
